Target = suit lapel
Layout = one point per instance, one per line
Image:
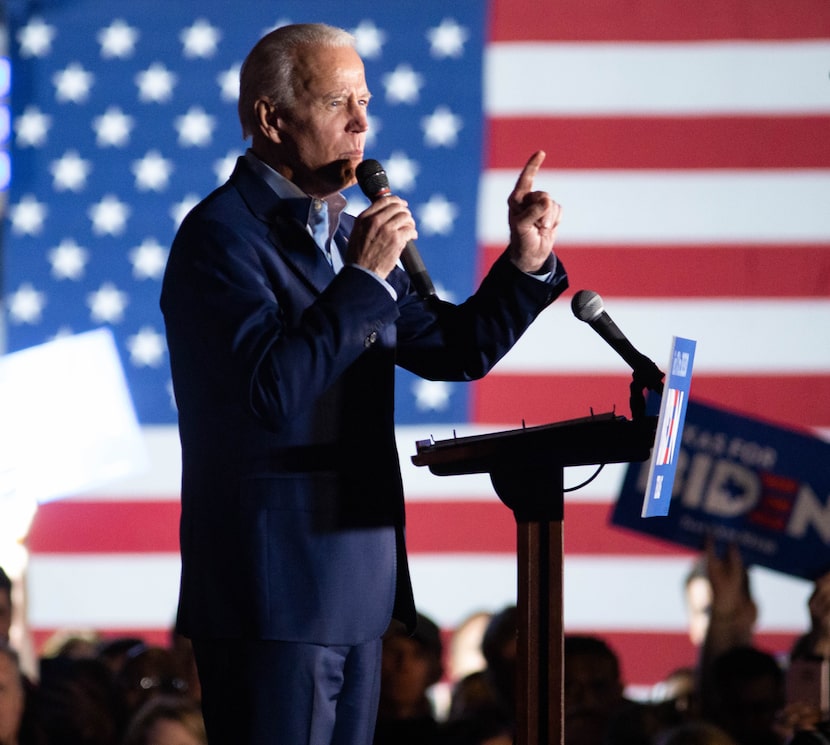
(288, 236)
(298, 248)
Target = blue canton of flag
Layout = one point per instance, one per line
(122, 123)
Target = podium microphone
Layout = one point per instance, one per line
(587, 306)
(375, 185)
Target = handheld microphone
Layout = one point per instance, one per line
(375, 185)
(587, 306)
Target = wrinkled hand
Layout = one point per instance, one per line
(533, 217)
(379, 235)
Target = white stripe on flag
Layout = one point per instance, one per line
(734, 336)
(694, 78)
(103, 590)
(676, 207)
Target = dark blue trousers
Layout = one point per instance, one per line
(258, 692)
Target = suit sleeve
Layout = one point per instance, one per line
(463, 342)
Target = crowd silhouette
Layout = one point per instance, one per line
(442, 688)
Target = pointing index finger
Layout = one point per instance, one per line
(524, 183)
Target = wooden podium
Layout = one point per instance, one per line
(526, 468)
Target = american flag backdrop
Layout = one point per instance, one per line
(689, 143)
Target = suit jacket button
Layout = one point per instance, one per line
(371, 339)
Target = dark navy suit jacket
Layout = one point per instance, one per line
(292, 505)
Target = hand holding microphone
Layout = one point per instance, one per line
(375, 185)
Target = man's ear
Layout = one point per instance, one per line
(268, 119)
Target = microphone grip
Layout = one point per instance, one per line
(417, 271)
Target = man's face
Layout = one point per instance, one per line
(322, 137)
(5, 615)
(406, 671)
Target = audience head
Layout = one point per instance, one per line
(77, 701)
(499, 647)
(743, 694)
(12, 695)
(166, 720)
(75, 644)
(115, 652)
(410, 666)
(593, 689)
(149, 672)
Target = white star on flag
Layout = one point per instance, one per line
(147, 347)
(36, 38)
(106, 304)
(72, 84)
(447, 39)
(369, 40)
(26, 304)
(223, 167)
(70, 171)
(441, 127)
(113, 127)
(403, 85)
(32, 127)
(437, 215)
(375, 127)
(118, 40)
(68, 260)
(401, 171)
(109, 216)
(27, 215)
(148, 259)
(200, 39)
(195, 128)
(431, 395)
(179, 210)
(228, 81)
(155, 84)
(152, 172)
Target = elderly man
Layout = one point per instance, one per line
(285, 318)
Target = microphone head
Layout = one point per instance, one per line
(372, 179)
(587, 306)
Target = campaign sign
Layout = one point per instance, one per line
(663, 462)
(739, 480)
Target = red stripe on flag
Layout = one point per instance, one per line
(657, 20)
(801, 401)
(489, 527)
(433, 527)
(694, 271)
(666, 142)
(74, 526)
